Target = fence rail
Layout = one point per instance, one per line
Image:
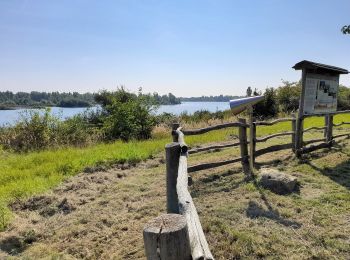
(187, 233)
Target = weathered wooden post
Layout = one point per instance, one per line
(300, 117)
(166, 237)
(174, 127)
(242, 133)
(329, 129)
(294, 132)
(251, 140)
(172, 155)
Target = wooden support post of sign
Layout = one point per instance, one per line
(242, 133)
(294, 126)
(329, 128)
(172, 156)
(300, 119)
(326, 125)
(251, 140)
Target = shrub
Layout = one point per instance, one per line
(126, 115)
(268, 107)
(38, 129)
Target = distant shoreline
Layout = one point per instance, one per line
(38, 107)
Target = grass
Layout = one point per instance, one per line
(241, 220)
(244, 221)
(23, 175)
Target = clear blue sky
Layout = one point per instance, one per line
(189, 48)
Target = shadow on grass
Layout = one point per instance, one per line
(217, 183)
(255, 210)
(339, 174)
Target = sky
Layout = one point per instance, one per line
(186, 47)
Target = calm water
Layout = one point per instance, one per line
(11, 116)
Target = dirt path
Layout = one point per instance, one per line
(97, 215)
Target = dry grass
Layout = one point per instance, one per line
(107, 211)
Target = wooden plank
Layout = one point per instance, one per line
(341, 135)
(199, 245)
(211, 128)
(314, 141)
(207, 148)
(314, 128)
(264, 139)
(342, 123)
(312, 148)
(273, 149)
(274, 121)
(205, 166)
(330, 113)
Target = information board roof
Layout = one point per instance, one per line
(305, 64)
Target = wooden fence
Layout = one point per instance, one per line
(179, 234)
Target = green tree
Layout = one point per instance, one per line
(126, 115)
(288, 96)
(267, 107)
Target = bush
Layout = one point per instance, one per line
(126, 115)
(268, 107)
(37, 130)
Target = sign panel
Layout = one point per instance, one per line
(320, 94)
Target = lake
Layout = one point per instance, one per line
(11, 116)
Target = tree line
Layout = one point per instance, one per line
(10, 100)
(220, 98)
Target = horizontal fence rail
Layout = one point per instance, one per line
(314, 141)
(265, 138)
(213, 147)
(342, 123)
(328, 114)
(212, 128)
(274, 148)
(205, 166)
(274, 121)
(314, 128)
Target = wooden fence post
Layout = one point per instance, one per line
(299, 135)
(172, 155)
(329, 128)
(294, 134)
(174, 127)
(253, 140)
(166, 237)
(242, 133)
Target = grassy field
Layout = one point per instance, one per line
(241, 220)
(23, 175)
